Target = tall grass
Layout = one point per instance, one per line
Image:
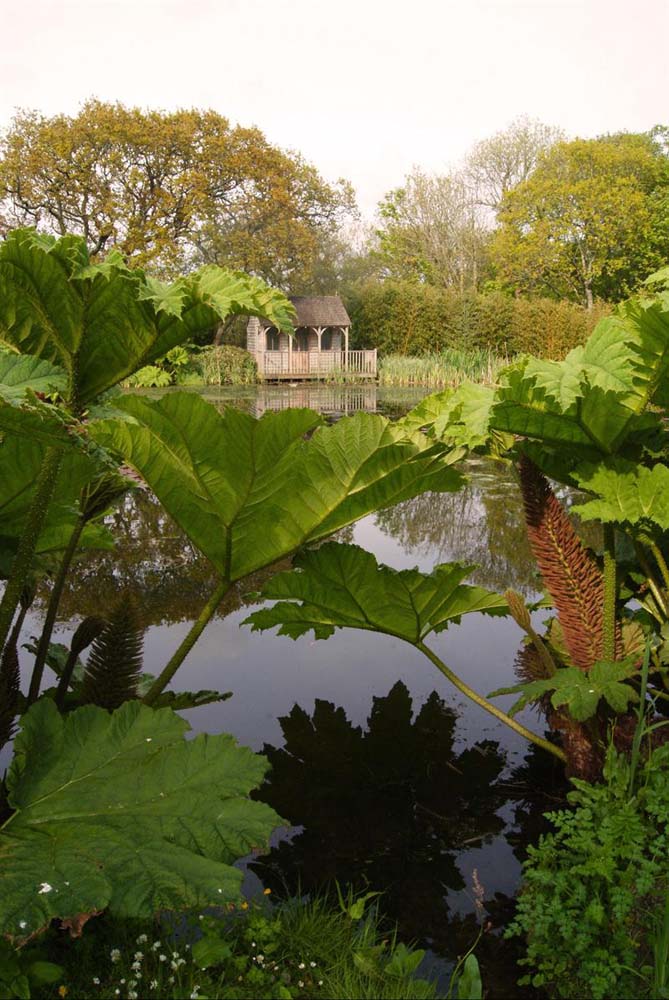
(447, 368)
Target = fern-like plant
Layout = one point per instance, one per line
(115, 661)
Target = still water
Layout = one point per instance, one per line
(390, 779)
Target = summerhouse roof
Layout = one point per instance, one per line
(318, 310)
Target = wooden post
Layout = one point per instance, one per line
(290, 354)
(346, 348)
(319, 362)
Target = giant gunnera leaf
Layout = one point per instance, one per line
(343, 586)
(249, 492)
(100, 322)
(119, 811)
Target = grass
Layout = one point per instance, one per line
(300, 948)
(448, 368)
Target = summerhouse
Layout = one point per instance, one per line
(319, 347)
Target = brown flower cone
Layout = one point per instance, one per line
(570, 574)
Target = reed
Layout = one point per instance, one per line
(447, 368)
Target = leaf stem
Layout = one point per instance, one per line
(52, 610)
(489, 707)
(661, 562)
(610, 593)
(44, 490)
(168, 672)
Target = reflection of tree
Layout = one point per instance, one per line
(483, 523)
(390, 807)
(151, 560)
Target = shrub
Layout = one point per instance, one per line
(592, 890)
(402, 317)
(227, 365)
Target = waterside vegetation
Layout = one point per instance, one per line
(107, 808)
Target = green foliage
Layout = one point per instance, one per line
(248, 492)
(593, 889)
(174, 190)
(101, 322)
(409, 318)
(626, 493)
(227, 365)
(588, 222)
(120, 812)
(21, 972)
(580, 690)
(449, 367)
(342, 586)
(299, 948)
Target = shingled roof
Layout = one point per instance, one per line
(318, 310)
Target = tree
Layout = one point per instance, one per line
(590, 222)
(506, 159)
(431, 231)
(172, 189)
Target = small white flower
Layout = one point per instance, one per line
(139, 955)
(171, 980)
(22, 924)
(312, 964)
(320, 982)
(136, 966)
(175, 954)
(300, 983)
(153, 985)
(115, 955)
(194, 995)
(132, 983)
(132, 995)
(174, 965)
(162, 958)
(155, 946)
(149, 739)
(301, 965)
(44, 887)
(253, 944)
(122, 982)
(142, 939)
(96, 981)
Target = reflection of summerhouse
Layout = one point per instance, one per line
(319, 347)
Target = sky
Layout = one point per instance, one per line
(364, 89)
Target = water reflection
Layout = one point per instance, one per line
(482, 523)
(331, 400)
(399, 807)
(389, 806)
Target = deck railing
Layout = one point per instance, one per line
(316, 364)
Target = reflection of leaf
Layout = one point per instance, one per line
(343, 586)
(580, 690)
(248, 492)
(120, 811)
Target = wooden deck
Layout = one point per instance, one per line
(302, 365)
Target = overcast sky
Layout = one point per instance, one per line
(365, 89)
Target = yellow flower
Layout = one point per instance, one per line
(245, 906)
(62, 991)
(266, 892)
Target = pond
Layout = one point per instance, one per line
(390, 779)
